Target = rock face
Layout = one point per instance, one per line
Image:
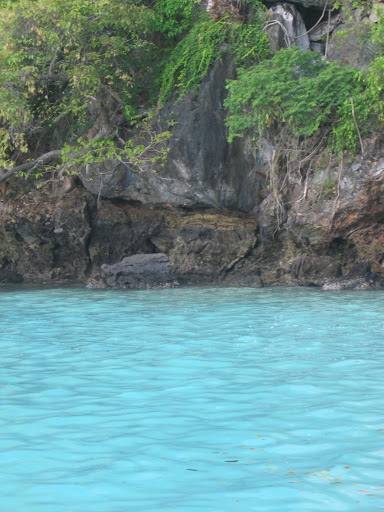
(201, 169)
(349, 44)
(211, 215)
(360, 277)
(286, 28)
(44, 239)
(316, 4)
(138, 271)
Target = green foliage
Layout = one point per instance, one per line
(88, 151)
(248, 42)
(173, 16)
(190, 60)
(65, 63)
(298, 90)
(192, 57)
(375, 74)
(348, 6)
(328, 187)
(64, 60)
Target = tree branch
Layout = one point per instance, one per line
(46, 157)
(58, 77)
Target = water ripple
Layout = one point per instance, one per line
(191, 400)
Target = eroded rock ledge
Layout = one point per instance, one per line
(75, 238)
(142, 271)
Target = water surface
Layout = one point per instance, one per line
(191, 400)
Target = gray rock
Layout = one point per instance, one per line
(317, 47)
(138, 271)
(350, 44)
(317, 4)
(319, 33)
(360, 277)
(286, 28)
(108, 179)
(377, 8)
(202, 167)
(311, 270)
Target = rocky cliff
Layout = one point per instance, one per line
(227, 213)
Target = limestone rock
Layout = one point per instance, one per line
(286, 28)
(46, 241)
(202, 167)
(220, 8)
(316, 4)
(360, 277)
(377, 8)
(121, 231)
(350, 45)
(206, 246)
(311, 270)
(139, 271)
(319, 32)
(109, 178)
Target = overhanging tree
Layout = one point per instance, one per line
(64, 65)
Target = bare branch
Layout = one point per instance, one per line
(54, 57)
(54, 77)
(43, 159)
(357, 126)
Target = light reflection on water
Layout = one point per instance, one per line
(192, 400)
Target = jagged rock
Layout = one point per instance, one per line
(206, 246)
(312, 270)
(109, 178)
(286, 28)
(120, 231)
(317, 47)
(350, 45)
(220, 8)
(377, 8)
(202, 168)
(46, 241)
(317, 4)
(360, 277)
(138, 271)
(212, 210)
(320, 31)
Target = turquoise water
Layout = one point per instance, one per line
(191, 400)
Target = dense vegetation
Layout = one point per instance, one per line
(69, 65)
(304, 94)
(79, 79)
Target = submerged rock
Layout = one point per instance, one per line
(138, 271)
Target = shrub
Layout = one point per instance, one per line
(300, 91)
(190, 60)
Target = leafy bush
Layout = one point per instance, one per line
(64, 63)
(299, 90)
(62, 60)
(173, 16)
(190, 60)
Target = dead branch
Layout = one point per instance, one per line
(270, 24)
(317, 22)
(43, 159)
